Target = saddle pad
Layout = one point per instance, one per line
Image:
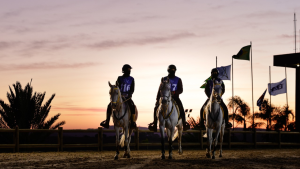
(177, 108)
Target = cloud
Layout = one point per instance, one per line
(7, 45)
(46, 65)
(80, 109)
(145, 41)
(285, 36)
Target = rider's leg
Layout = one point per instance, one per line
(153, 126)
(186, 126)
(202, 116)
(132, 109)
(105, 123)
(227, 123)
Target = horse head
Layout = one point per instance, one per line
(114, 93)
(216, 91)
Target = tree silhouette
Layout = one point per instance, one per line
(266, 113)
(26, 111)
(281, 118)
(240, 112)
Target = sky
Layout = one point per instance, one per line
(74, 47)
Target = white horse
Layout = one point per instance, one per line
(214, 120)
(121, 118)
(168, 118)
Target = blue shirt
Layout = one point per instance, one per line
(173, 82)
(125, 84)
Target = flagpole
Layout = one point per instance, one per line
(232, 97)
(216, 61)
(270, 93)
(287, 102)
(252, 85)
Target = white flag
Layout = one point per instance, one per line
(224, 72)
(277, 88)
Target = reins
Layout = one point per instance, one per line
(119, 106)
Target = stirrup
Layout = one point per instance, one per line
(152, 127)
(104, 124)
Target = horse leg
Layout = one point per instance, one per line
(162, 135)
(221, 139)
(215, 142)
(171, 134)
(117, 143)
(126, 141)
(128, 145)
(179, 139)
(209, 141)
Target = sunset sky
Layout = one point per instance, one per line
(74, 47)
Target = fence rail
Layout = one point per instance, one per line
(60, 145)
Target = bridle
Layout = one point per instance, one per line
(119, 103)
(164, 112)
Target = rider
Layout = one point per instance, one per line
(176, 89)
(208, 90)
(126, 86)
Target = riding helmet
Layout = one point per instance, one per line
(171, 67)
(125, 67)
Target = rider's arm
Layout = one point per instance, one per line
(131, 88)
(179, 88)
(223, 88)
(119, 82)
(207, 89)
(158, 93)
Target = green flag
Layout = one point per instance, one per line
(243, 53)
(204, 85)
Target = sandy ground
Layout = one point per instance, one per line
(256, 158)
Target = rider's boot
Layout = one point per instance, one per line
(105, 123)
(228, 125)
(133, 124)
(201, 123)
(186, 125)
(153, 126)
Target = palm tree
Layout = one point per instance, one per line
(266, 113)
(241, 110)
(254, 124)
(282, 117)
(26, 111)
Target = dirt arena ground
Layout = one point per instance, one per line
(244, 159)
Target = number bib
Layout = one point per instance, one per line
(125, 83)
(173, 82)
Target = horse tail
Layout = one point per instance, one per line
(122, 140)
(175, 134)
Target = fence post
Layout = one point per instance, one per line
(254, 138)
(100, 139)
(229, 138)
(137, 138)
(279, 139)
(201, 139)
(60, 130)
(16, 139)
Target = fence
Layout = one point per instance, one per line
(60, 145)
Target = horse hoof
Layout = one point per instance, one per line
(170, 158)
(207, 155)
(116, 157)
(163, 157)
(213, 157)
(124, 156)
(180, 152)
(128, 155)
(220, 155)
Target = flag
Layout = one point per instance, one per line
(277, 88)
(224, 72)
(260, 100)
(204, 85)
(243, 53)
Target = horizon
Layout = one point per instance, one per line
(73, 48)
